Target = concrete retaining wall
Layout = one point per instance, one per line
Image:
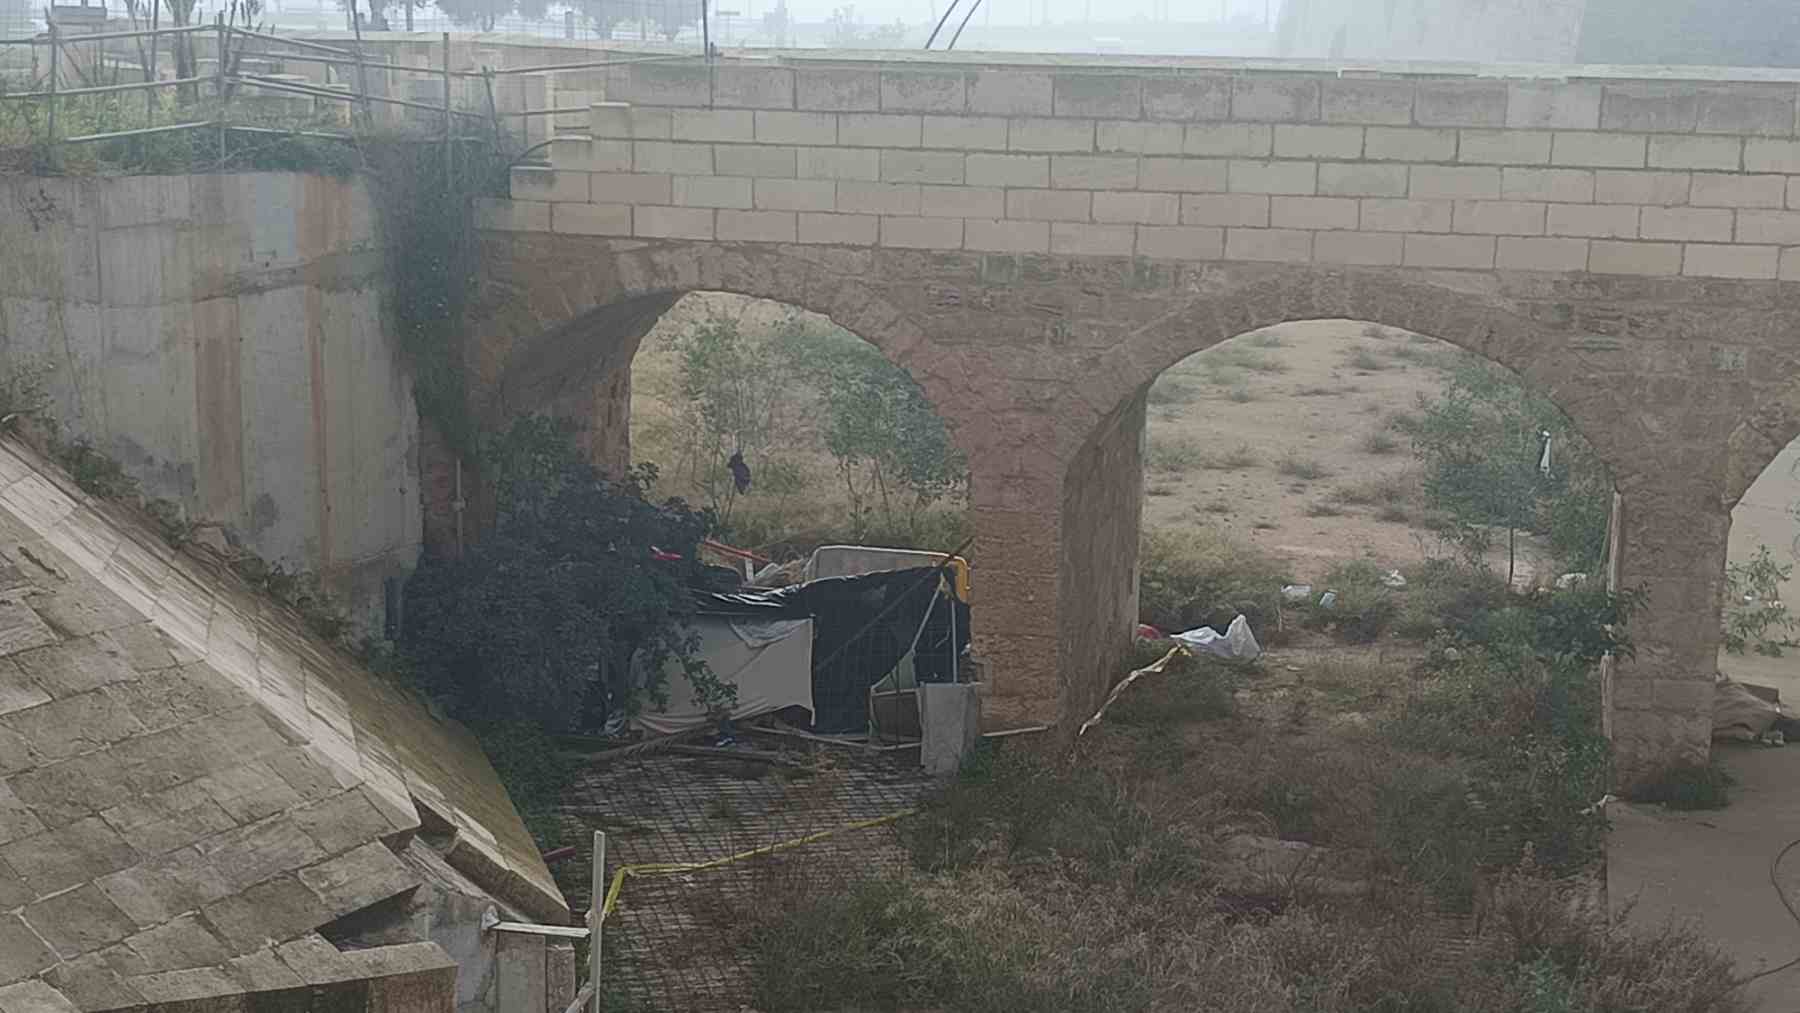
(221, 337)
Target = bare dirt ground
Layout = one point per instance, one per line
(1287, 438)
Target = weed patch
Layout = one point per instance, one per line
(1295, 465)
(1201, 577)
(1174, 455)
(1686, 787)
(1363, 360)
(1249, 359)
(1380, 443)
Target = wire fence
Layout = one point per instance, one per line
(90, 81)
(711, 836)
(628, 21)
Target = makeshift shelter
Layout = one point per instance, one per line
(905, 626)
(769, 660)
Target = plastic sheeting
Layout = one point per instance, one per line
(1237, 643)
(863, 626)
(768, 660)
(856, 560)
(1741, 714)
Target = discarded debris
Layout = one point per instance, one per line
(1236, 644)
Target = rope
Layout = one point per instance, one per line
(677, 868)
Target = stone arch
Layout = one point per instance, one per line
(574, 317)
(1671, 540)
(1758, 439)
(1238, 299)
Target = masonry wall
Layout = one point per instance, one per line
(1489, 31)
(222, 338)
(1619, 177)
(1103, 506)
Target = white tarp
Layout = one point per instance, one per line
(855, 560)
(1741, 714)
(770, 663)
(1237, 643)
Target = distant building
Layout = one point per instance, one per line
(1487, 31)
(1731, 33)
(1723, 33)
(15, 17)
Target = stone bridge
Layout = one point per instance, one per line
(1036, 242)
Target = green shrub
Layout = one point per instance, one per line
(1364, 607)
(1686, 786)
(563, 587)
(1447, 594)
(533, 771)
(1480, 442)
(1755, 617)
(1201, 577)
(1188, 689)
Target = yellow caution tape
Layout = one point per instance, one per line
(676, 868)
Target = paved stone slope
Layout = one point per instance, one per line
(190, 785)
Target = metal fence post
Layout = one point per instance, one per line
(224, 45)
(448, 164)
(55, 67)
(597, 915)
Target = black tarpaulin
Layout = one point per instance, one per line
(853, 648)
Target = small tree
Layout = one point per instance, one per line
(667, 17)
(1482, 443)
(1755, 617)
(735, 397)
(566, 586)
(890, 446)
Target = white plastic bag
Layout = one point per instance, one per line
(1237, 644)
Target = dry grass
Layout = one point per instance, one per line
(1364, 360)
(1379, 442)
(1236, 356)
(1099, 882)
(1174, 455)
(1296, 465)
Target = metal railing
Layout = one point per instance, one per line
(239, 51)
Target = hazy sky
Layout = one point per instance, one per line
(1003, 11)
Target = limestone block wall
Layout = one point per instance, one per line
(222, 338)
(1622, 177)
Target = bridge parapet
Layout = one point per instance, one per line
(1662, 178)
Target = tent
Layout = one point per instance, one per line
(769, 660)
(862, 629)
